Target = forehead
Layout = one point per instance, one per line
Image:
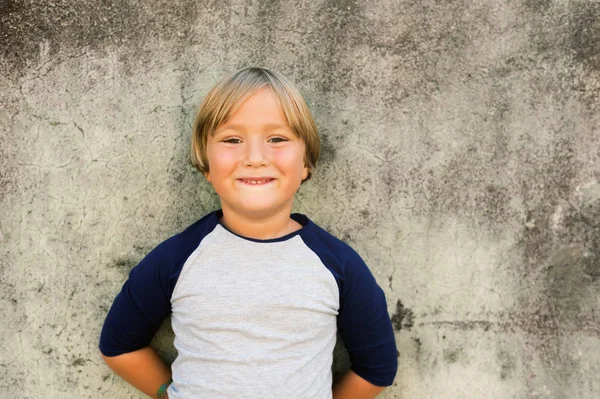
(262, 108)
(264, 102)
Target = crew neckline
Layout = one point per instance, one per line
(303, 220)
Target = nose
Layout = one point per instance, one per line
(255, 153)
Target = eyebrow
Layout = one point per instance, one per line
(266, 126)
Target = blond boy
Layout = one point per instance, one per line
(256, 294)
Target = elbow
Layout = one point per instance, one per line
(109, 360)
(106, 359)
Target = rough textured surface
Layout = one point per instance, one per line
(462, 149)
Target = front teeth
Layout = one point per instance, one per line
(256, 182)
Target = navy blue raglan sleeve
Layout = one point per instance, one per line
(143, 303)
(365, 325)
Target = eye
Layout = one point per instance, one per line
(277, 139)
(232, 141)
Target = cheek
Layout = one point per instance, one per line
(291, 158)
(291, 161)
(221, 162)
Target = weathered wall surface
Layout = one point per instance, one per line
(462, 149)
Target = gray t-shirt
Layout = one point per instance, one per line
(255, 318)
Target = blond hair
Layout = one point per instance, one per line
(229, 93)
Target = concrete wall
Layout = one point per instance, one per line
(462, 149)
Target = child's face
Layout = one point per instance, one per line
(256, 162)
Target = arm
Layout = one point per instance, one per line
(352, 386)
(143, 369)
(132, 321)
(367, 332)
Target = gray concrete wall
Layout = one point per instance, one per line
(462, 148)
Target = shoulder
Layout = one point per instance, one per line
(191, 236)
(337, 255)
(171, 254)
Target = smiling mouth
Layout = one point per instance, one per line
(256, 182)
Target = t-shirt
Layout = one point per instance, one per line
(255, 318)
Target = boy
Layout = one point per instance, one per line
(256, 294)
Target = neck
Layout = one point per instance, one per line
(258, 226)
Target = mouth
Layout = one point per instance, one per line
(253, 181)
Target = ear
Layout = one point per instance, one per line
(304, 172)
(207, 176)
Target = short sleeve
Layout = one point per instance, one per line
(365, 325)
(139, 309)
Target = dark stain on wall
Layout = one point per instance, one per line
(584, 43)
(29, 24)
(551, 181)
(403, 318)
(452, 355)
(102, 311)
(584, 33)
(565, 281)
(327, 155)
(507, 364)
(418, 346)
(493, 203)
(539, 6)
(590, 208)
(566, 38)
(125, 264)
(31, 27)
(78, 362)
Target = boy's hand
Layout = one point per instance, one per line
(352, 386)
